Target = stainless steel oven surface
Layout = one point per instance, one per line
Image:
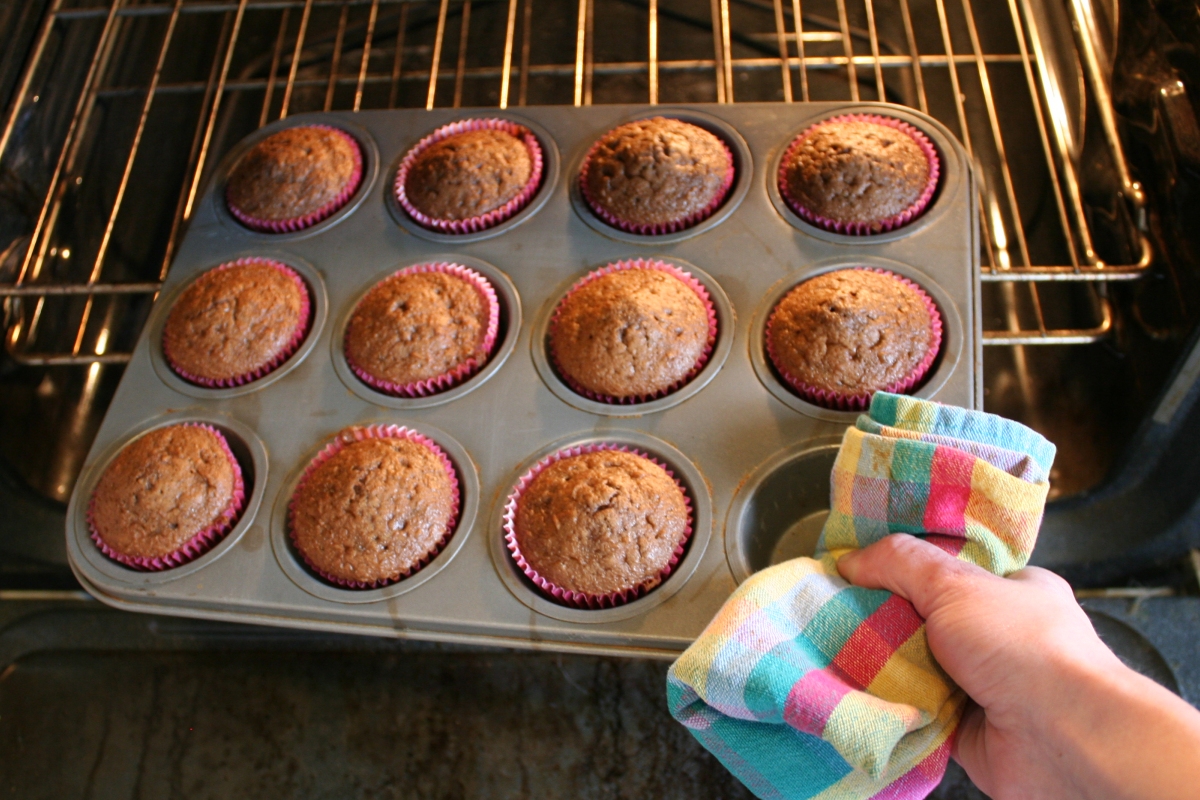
(1077, 117)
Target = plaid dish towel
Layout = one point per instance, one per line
(805, 686)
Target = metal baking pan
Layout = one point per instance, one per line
(754, 457)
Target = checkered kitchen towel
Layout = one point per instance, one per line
(805, 686)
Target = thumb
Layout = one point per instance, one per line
(910, 567)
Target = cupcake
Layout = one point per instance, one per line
(859, 174)
(470, 175)
(423, 330)
(597, 525)
(840, 337)
(236, 323)
(655, 176)
(632, 331)
(374, 506)
(295, 178)
(167, 498)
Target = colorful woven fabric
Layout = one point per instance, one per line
(807, 687)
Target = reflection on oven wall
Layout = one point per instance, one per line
(1076, 115)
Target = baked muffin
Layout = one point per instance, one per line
(841, 336)
(657, 175)
(423, 330)
(598, 527)
(237, 322)
(859, 174)
(295, 178)
(374, 507)
(632, 331)
(470, 175)
(166, 498)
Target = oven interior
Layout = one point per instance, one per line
(1077, 114)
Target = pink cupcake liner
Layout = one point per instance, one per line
(358, 434)
(582, 599)
(859, 402)
(865, 228)
(638, 263)
(674, 226)
(279, 358)
(496, 215)
(464, 370)
(194, 547)
(308, 220)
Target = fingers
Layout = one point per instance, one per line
(969, 748)
(909, 567)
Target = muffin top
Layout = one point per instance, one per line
(852, 331)
(468, 174)
(601, 522)
(373, 510)
(856, 171)
(234, 320)
(630, 333)
(656, 171)
(293, 173)
(162, 489)
(417, 326)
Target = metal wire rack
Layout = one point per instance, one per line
(159, 90)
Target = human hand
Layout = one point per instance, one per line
(1055, 713)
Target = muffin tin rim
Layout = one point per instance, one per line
(947, 361)
(298, 573)
(731, 530)
(318, 298)
(551, 169)
(726, 331)
(89, 557)
(949, 184)
(743, 178)
(370, 173)
(685, 471)
(510, 310)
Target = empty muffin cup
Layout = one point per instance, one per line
(779, 511)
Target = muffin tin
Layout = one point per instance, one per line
(753, 456)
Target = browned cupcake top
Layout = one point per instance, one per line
(852, 331)
(292, 173)
(373, 510)
(233, 321)
(656, 171)
(601, 522)
(161, 490)
(630, 333)
(417, 326)
(468, 174)
(857, 171)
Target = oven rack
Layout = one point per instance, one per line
(357, 54)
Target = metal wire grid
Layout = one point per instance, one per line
(362, 54)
